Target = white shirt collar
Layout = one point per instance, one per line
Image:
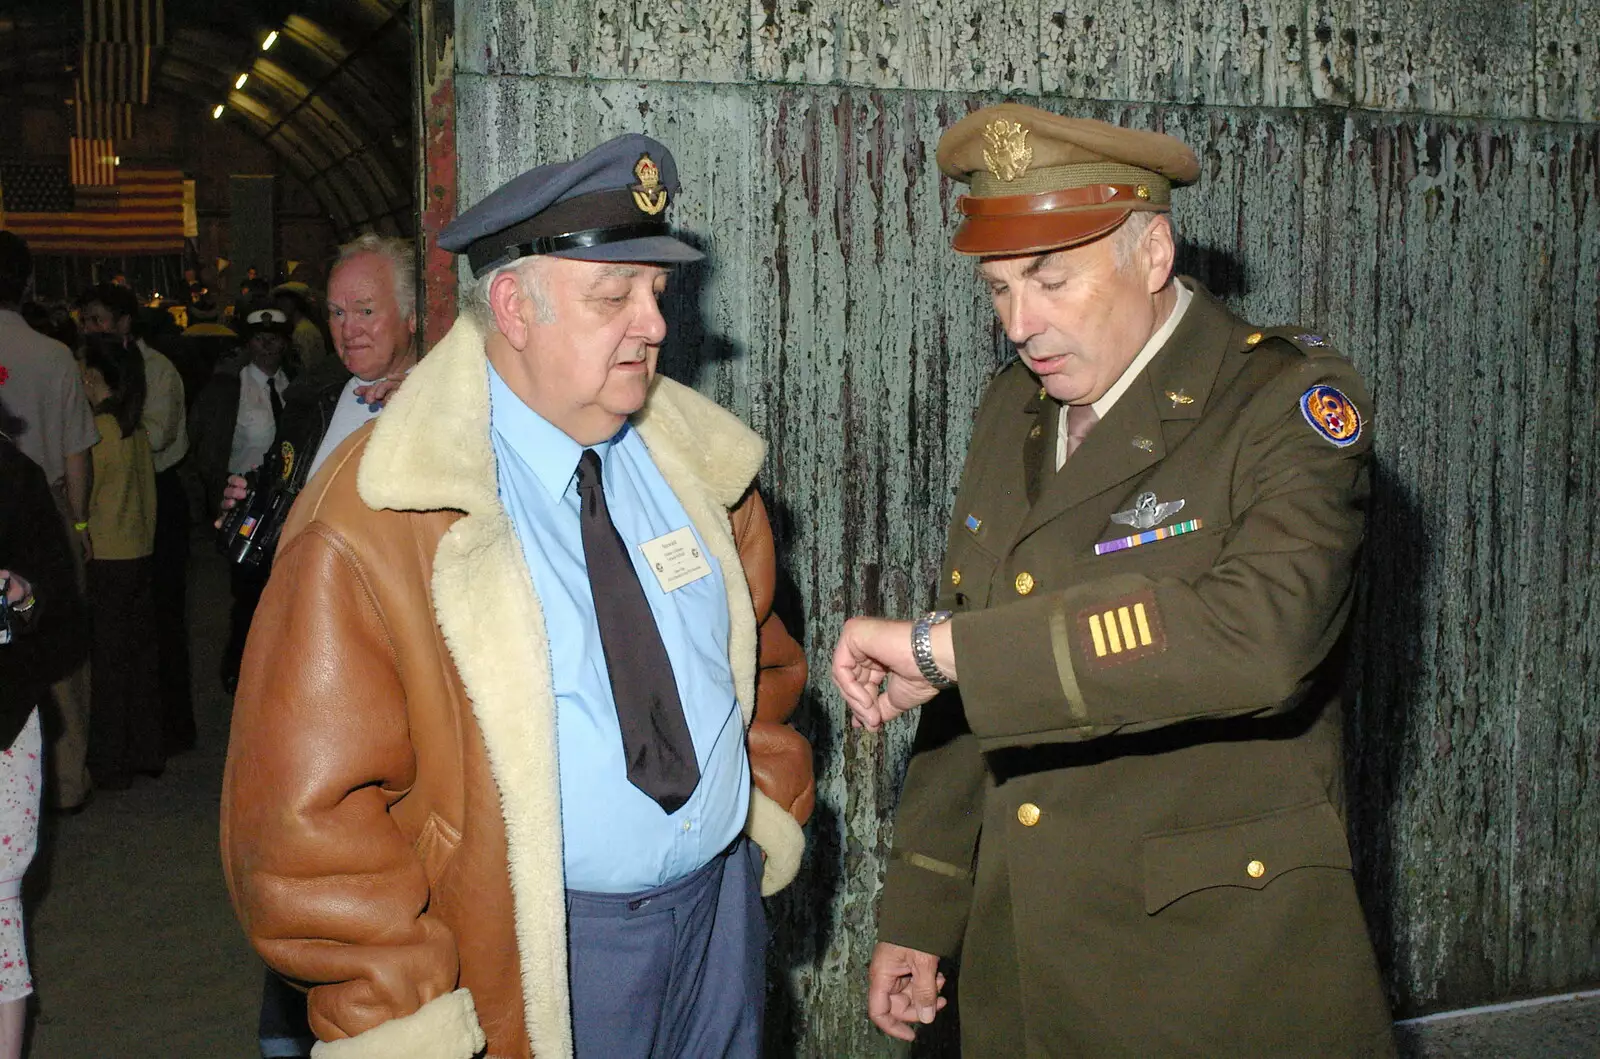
(259, 377)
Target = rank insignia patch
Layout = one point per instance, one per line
(1331, 414)
(1121, 630)
(973, 523)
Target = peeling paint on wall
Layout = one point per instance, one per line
(1448, 246)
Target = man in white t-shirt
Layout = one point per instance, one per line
(52, 424)
(372, 316)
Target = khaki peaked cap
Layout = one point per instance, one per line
(1040, 181)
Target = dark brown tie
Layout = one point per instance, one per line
(655, 736)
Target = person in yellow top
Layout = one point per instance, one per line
(125, 714)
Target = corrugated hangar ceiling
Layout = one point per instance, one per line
(328, 86)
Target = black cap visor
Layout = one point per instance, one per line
(604, 226)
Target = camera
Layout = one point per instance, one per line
(250, 530)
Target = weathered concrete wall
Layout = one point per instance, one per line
(1423, 186)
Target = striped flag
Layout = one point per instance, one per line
(141, 22)
(92, 162)
(96, 128)
(142, 213)
(114, 72)
(119, 39)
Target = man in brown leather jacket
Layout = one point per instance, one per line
(399, 804)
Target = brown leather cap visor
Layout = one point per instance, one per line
(1033, 224)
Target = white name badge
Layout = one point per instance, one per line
(676, 559)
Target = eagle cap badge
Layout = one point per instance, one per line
(1005, 149)
(648, 194)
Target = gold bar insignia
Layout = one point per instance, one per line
(1116, 631)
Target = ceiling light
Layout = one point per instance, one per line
(240, 82)
(272, 38)
(216, 111)
(116, 159)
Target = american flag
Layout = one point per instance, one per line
(142, 213)
(96, 129)
(119, 37)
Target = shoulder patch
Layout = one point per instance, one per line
(1331, 414)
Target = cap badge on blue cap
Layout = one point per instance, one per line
(648, 194)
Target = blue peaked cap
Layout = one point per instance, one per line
(609, 205)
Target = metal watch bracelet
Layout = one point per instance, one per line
(922, 647)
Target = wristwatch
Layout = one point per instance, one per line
(922, 647)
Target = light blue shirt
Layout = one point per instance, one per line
(616, 838)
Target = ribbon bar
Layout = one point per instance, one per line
(1107, 547)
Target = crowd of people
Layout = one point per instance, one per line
(125, 439)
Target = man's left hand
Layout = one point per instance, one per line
(376, 392)
(876, 673)
(903, 987)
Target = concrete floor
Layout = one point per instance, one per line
(136, 954)
(134, 948)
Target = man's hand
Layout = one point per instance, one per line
(376, 392)
(236, 490)
(874, 670)
(903, 987)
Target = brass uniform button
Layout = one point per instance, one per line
(1027, 814)
(1036, 431)
(1253, 338)
(1043, 393)
(1024, 583)
(1142, 191)
(1255, 869)
(955, 577)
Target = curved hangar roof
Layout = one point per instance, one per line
(328, 86)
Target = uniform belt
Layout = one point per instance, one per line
(1015, 762)
(592, 905)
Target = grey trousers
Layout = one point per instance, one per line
(677, 972)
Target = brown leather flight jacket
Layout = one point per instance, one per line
(390, 809)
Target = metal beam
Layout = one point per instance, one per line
(350, 57)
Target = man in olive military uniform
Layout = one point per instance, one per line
(1126, 814)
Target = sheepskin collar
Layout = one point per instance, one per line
(430, 450)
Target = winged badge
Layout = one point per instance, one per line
(1148, 513)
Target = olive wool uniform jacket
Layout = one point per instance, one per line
(1128, 816)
